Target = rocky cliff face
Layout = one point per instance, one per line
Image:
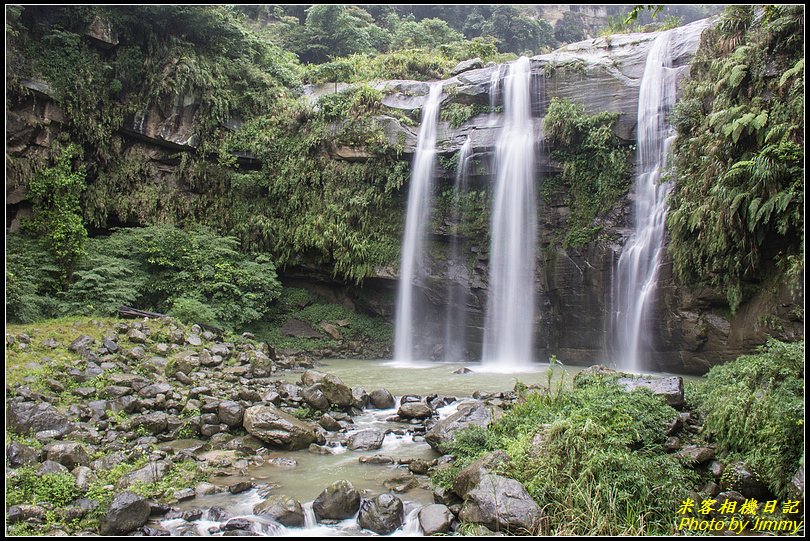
(572, 285)
(692, 329)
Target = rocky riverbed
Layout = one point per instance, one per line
(152, 427)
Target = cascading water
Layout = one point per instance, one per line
(457, 272)
(416, 222)
(510, 303)
(637, 270)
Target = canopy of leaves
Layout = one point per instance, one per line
(737, 206)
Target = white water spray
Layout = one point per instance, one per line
(510, 304)
(416, 222)
(638, 265)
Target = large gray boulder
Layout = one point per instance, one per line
(415, 410)
(283, 509)
(468, 414)
(338, 501)
(366, 440)
(30, 418)
(435, 519)
(127, 512)
(501, 504)
(469, 477)
(278, 429)
(381, 399)
(338, 394)
(18, 455)
(314, 397)
(382, 514)
(670, 388)
(68, 454)
(231, 413)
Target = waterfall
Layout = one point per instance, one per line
(457, 272)
(416, 223)
(510, 304)
(638, 264)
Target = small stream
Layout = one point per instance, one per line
(303, 474)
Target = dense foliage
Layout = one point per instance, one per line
(595, 165)
(754, 409)
(593, 456)
(195, 275)
(737, 205)
(55, 195)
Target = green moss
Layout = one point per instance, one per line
(296, 303)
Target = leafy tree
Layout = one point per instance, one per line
(428, 33)
(55, 195)
(517, 33)
(340, 30)
(570, 28)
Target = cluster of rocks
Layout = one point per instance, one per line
(158, 392)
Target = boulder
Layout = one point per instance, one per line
(435, 519)
(283, 509)
(381, 399)
(314, 397)
(69, 454)
(329, 423)
(299, 329)
(137, 336)
(30, 418)
(468, 414)
(415, 410)
(277, 428)
(18, 455)
(151, 391)
(338, 501)
(366, 440)
(671, 388)
(382, 514)
(151, 473)
(81, 345)
(467, 65)
(697, 454)
(127, 512)
(740, 477)
(331, 330)
(501, 504)
(469, 477)
(231, 413)
(153, 423)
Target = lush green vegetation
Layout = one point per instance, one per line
(301, 304)
(754, 411)
(595, 166)
(737, 205)
(592, 456)
(195, 275)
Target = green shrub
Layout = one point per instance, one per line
(754, 409)
(26, 487)
(594, 457)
